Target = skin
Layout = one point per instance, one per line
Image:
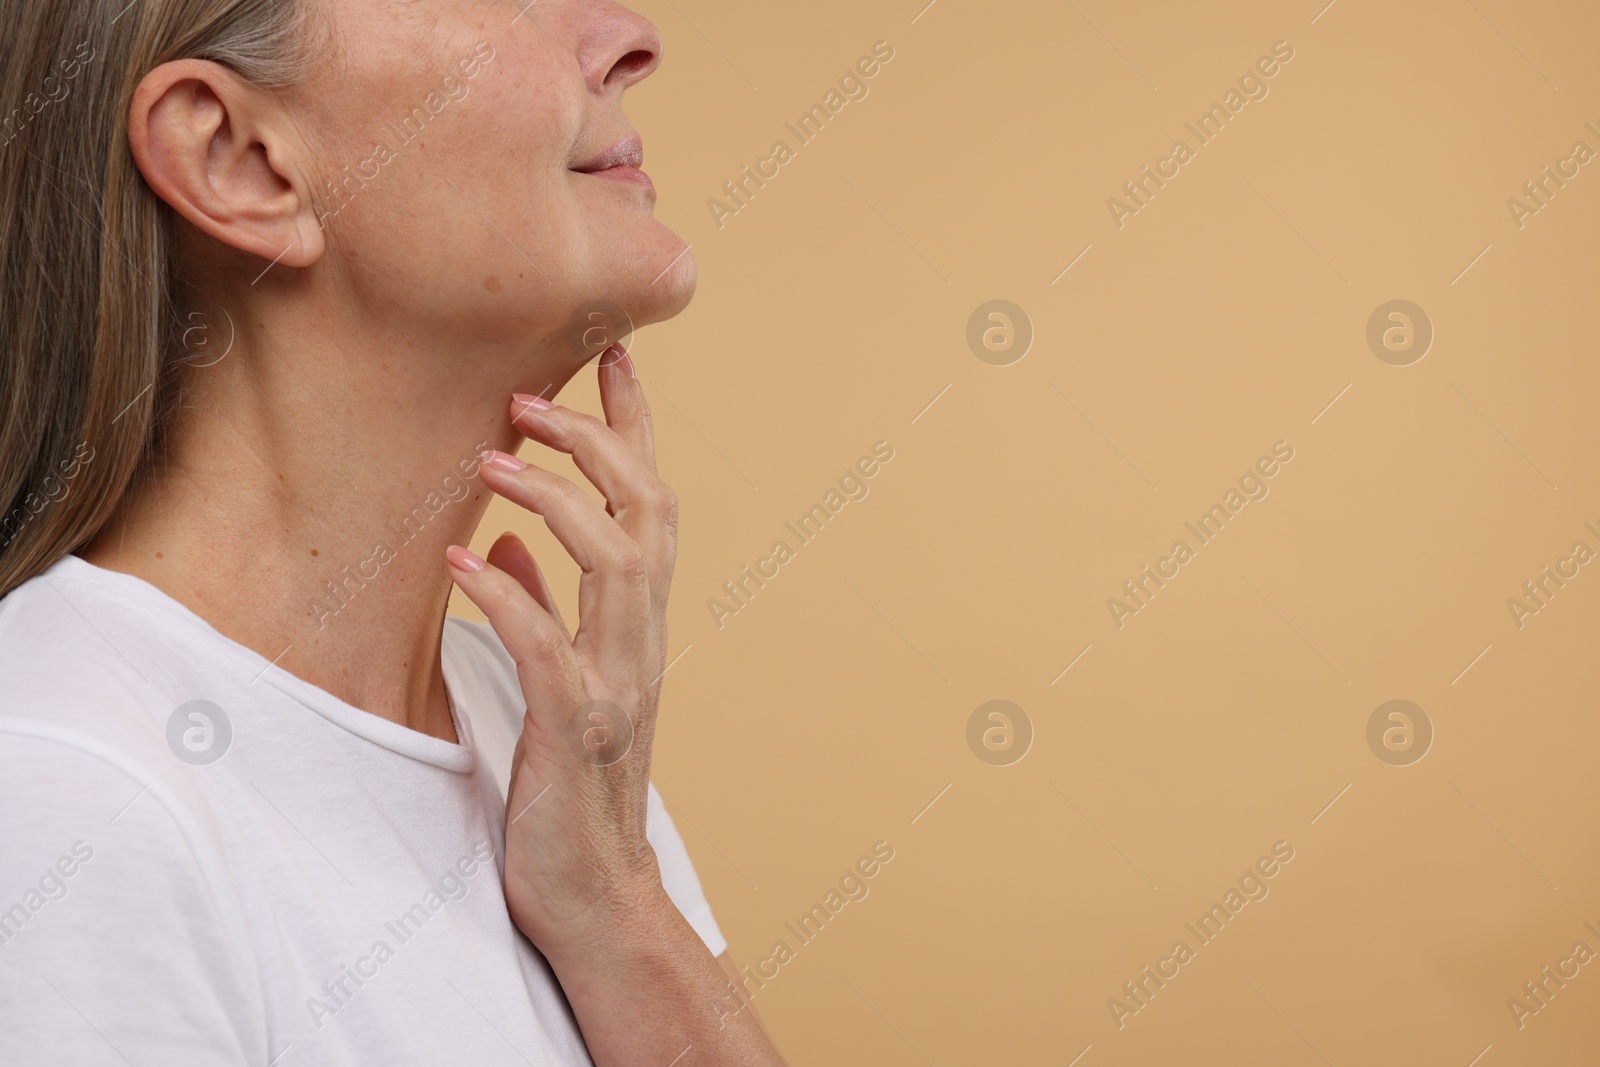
(385, 344)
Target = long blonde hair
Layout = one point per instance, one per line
(90, 301)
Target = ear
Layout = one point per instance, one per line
(225, 156)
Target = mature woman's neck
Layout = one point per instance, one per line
(305, 500)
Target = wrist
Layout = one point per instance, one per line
(647, 964)
(619, 930)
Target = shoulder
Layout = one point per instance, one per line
(106, 876)
(92, 701)
(100, 680)
(72, 673)
(87, 765)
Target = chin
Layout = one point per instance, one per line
(662, 294)
(599, 314)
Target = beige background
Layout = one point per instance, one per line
(1231, 711)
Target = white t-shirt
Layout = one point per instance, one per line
(326, 892)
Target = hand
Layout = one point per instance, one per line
(577, 860)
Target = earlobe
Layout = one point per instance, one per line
(221, 153)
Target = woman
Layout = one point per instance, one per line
(285, 285)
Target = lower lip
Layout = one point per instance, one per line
(630, 175)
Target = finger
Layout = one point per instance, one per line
(622, 398)
(614, 598)
(512, 556)
(644, 506)
(547, 667)
(623, 477)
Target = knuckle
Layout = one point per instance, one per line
(545, 646)
(665, 502)
(634, 700)
(630, 561)
(564, 493)
(586, 428)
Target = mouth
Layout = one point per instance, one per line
(621, 162)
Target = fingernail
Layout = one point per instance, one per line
(527, 400)
(462, 560)
(504, 461)
(617, 356)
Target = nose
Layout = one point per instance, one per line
(625, 48)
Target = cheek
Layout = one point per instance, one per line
(464, 216)
(517, 134)
(526, 113)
